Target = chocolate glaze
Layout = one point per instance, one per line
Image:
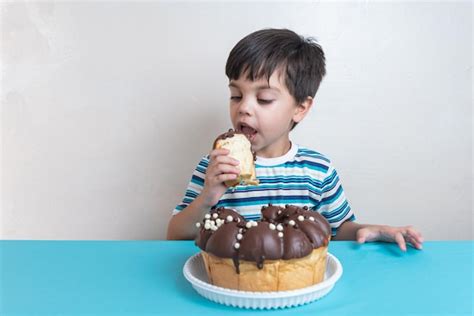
(228, 134)
(202, 238)
(204, 235)
(221, 243)
(223, 212)
(297, 244)
(271, 213)
(282, 233)
(260, 243)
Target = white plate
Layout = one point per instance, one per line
(195, 272)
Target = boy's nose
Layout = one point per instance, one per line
(245, 107)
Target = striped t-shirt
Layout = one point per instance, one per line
(301, 177)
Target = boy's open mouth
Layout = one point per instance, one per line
(249, 131)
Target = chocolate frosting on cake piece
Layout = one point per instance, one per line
(296, 243)
(202, 238)
(224, 213)
(313, 224)
(323, 224)
(313, 231)
(271, 213)
(217, 214)
(260, 243)
(230, 133)
(283, 233)
(222, 242)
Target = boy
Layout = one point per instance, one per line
(273, 77)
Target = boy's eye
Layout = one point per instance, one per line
(261, 101)
(264, 101)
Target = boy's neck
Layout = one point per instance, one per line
(275, 150)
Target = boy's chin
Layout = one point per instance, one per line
(254, 147)
(257, 149)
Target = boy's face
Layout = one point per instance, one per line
(266, 113)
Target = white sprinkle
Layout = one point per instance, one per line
(248, 225)
(254, 224)
(292, 222)
(280, 234)
(207, 216)
(279, 212)
(230, 218)
(238, 220)
(272, 226)
(215, 215)
(311, 218)
(301, 218)
(207, 226)
(214, 228)
(237, 245)
(241, 230)
(279, 227)
(198, 225)
(239, 236)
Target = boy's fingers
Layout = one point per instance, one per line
(414, 238)
(415, 234)
(414, 242)
(401, 241)
(225, 177)
(361, 235)
(218, 152)
(224, 168)
(226, 160)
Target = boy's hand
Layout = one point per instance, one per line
(221, 168)
(400, 235)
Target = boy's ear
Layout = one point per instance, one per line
(302, 109)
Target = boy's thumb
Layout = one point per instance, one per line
(360, 237)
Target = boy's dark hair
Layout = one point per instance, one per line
(262, 52)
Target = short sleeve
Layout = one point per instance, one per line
(333, 204)
(195, 186)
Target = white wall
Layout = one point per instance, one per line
(108, 106)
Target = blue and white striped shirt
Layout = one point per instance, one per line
(301, 177)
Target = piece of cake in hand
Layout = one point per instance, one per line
(285, 250)
(240, 148)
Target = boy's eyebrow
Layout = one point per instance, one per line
(259, 87)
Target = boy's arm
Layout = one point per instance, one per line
(221, 168)
(183, 224)
(365, 232)
(347, 231)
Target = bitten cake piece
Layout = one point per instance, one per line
(240, 148)
(285, 250)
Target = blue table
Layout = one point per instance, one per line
(145, 277)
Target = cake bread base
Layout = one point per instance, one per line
(276, 275)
